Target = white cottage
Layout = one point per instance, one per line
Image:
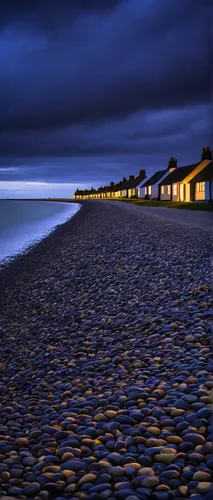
(150, 189)
(134, 183)
(201, 186)
(180, 184)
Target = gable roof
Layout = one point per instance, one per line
(197, 170)
(178, 174)
(204, 175)
(155, 178)
(130, 184)
(134, 183)
(118, 186)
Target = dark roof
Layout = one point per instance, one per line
(204, 175)
(129, 184)
(178, 174)
(134, 183)
(117, 186)
(83, 192)
(122, 185)
(155, 178)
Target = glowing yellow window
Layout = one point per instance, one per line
(162, 189)
(201, 187)
(169, 189)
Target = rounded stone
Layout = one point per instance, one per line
(88, 478)
(165, 458)
(146, 471)
(204, 487)
(201, 476)
(110, 414)
(31, 489)
(194, 438)
(22, 442)
(150, 481)
(116, 471)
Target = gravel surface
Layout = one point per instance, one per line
(192, 218)
(106, 368)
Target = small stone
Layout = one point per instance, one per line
(154, 430)
(15, 491)
(146, 471)
(174, 440)
(22, 442)
(116, 471)
(150, 481)
(110, 414)
(88, 478)
(165, 458)
(201, 476)
(194, 438)
(100, 417)
(204, 487)
(169, 451)
(32, 355)
(134, 465)
(31, 489)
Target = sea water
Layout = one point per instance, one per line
(23, 223)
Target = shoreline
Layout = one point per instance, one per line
(11, 265)
(106, 366)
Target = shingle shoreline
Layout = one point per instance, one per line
(106, 361)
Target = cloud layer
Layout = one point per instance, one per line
(98, 87)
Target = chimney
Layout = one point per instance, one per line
(124, 179)
(131, 177)
(206, 154)
(172, 162)
(112, 184)
(142, 173)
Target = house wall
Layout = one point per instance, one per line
(134, 192)
(182, 191)
(154, 192)
(211, 190)
(165, 196)
(208, 194)
(176, 197)
(155, 189)
(202, 195)
(187, 192)
(141, 193)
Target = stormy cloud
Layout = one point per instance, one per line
(93, 89)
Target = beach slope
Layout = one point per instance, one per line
(106, 361)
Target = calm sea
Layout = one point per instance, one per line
(23, 223)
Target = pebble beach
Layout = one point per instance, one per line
(106, 364)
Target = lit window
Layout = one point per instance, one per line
(162, 189)
(174, 189)
(201, 186)
(145, 190)
(149, 189)
(169, 189)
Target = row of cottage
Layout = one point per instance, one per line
(188, 183)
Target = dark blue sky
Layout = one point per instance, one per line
(92, 90)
